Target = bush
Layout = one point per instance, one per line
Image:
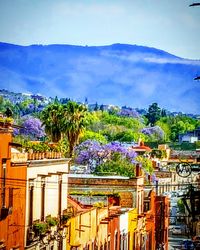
(40, 227)
(52, 221)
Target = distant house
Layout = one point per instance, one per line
(191, 136)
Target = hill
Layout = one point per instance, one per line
(118, 74)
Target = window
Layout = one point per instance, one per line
(31, 190)
(116, 240)
(60, 195)
(146, 206)
(42, 198)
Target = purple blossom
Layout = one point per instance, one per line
(32, 127)
(92, 153)
(129, 112)
(153, 132)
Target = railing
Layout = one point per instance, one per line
(44, 155)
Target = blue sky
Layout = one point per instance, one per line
(170, 25)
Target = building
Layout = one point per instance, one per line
(161, 221)
(33, 201)
(46, 201)
(149, 212)
(191, 136)
(13, 191)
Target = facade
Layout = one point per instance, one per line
(33, 205)
(149, 212)
(13, 192)
(191, 136)
(161, 221)
(132, 228)
(46, 201)
(95, 228)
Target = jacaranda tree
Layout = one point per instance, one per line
(109, 158)
(32, 128)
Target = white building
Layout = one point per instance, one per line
(46, 200)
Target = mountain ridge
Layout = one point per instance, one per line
(120, 74)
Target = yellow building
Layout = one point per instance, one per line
(87, 230)
(132, 227)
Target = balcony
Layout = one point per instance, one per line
(43, 155)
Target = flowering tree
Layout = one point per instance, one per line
(111, 157)
(154, 133)
(32, 128)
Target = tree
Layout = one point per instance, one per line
(111, 157)
(90, 135)
(154, 133)
(96, 107)
(73, 123)
(32, 128)
(51, 117)
(8, 112)
(153, 114)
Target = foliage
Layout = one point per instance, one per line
(65, 218)
(166, 129)
(40, 227)
(117, 164)
(51, 117)
(153, 114)
(73, 123)
(128, 122)
(128, 136)
(52, 221)
(31, 128)
(111, 157)
(146, 163)
(154, 133)
(6, 105)
(128, 112)
(157, 153)
(6, 119)
(174, 126)
(65, 120)
(30, 146)
(63, 147)
(197, 144)
(181, 206)
(90, 135)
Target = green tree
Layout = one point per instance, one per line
(51, 117)
(73, 123)
(118, 165)
(90, 135)
(153, 114)
(96, 107)
(146, 163)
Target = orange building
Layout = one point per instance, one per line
(149, 212)
(13, 191)
(162, 221)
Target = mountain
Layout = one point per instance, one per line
(118, 74)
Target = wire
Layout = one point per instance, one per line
(71, 183)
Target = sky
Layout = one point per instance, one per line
(169, 25)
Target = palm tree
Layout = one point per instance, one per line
(73, 123)
(51, 117)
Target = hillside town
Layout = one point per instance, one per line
(99, 125)
(99, 192)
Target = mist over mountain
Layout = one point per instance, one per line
(118, 74)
